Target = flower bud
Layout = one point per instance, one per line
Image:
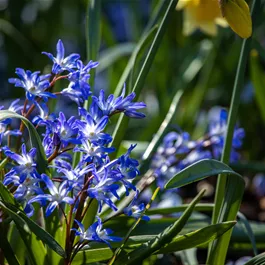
(237, 14)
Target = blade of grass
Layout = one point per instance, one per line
(92, 36)
(113, 54)
(160, 240)
(258, 80)
(258, 260)
(118, 134)
(117, 252)
(249, 232)
(23, 221)
(151, 24)
(162, 129)
(7, 249)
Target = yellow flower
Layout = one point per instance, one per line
(238, 16)
(206, 14)
(202, 14)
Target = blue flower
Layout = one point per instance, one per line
(104, 187)
(78, 89)
(124, 104)
(93, 153)
(127, 169)
(56, 196)
(33, 83)
(14, 106)
(27, 165)
(44, 118)
(4, 130)
(61, 63)
(217, 133)
(259, 184)
(73, 176)
(93, 130)
(135, 210)
(95, 233)
(65, 130)
(26, 188)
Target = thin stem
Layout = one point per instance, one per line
(232, 117)
(70, 236)
(55, 154)
(25, 107)
(86, 208)
(63, 212)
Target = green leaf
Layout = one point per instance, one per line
(229, 209)
(92, 255)
(138, 51)
(121, 126)
(148, 231)
(93, 35)
(118, 250)
(249, 231)
(258, 81)
(56, 227)
(227, 198)
(7, 249)
(163, 238)
(154, 47)
(90, 215)
(157, 138)
(5, 194)
(200, 237)
(197, 171)
(35, 141)
(258, 260)
(17, 243)
(22, 221)
(188, 256)
(109, 56)
(202, 207)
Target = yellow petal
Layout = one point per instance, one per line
(209, 28)
(189, 25)
(221, 22)
(183, 3)
(238, 17)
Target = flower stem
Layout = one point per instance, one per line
(232, 117)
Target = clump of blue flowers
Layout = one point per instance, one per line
(178, 150)
(69, 184)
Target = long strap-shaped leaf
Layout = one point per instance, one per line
(118, 134)
(258, 260)
(92, 35)
(6, 248)
(232, 198)
(198, 171)
(224, 197)
(35, 140)
(163, 238)
(197, 238)
(189, 240)
(23, 222)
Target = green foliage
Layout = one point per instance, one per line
(34, 139)
(180, 77)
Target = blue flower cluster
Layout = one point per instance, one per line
(94, 176)
(178, 151)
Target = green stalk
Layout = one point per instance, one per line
(232, 118)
